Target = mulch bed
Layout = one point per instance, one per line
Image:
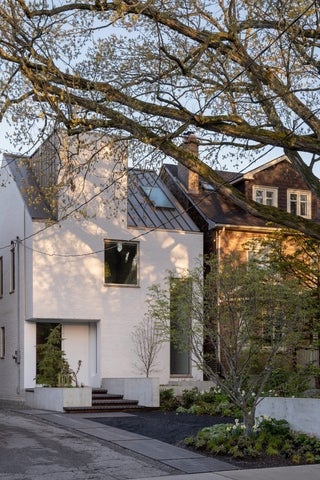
(172, 428)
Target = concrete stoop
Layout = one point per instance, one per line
(102, 401)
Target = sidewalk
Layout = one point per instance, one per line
(187, 464)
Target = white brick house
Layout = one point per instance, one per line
(84, 257)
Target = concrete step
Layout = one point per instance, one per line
(103, 396)
(103, 408)
(115, 401)
(102, 401)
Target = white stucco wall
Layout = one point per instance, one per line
(14, 222)
(73, 288)
(70, 286)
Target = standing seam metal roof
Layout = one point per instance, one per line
(144, 214)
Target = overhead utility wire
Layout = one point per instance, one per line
(150, 230)
(224, 183)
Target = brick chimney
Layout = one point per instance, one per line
(188, 178)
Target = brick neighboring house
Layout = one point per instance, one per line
(85, 258)
(226, 227)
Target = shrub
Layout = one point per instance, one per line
(190, 397)
(168, 401)
(53, 368)
(287, 381)
(212, 402)
(268, 437)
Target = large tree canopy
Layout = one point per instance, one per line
(243, 74)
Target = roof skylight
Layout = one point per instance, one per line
(158, 197)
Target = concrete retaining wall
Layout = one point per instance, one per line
(179, 386)
(303, 414)
(57, 398)
(145, 390)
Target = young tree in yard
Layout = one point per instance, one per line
(147, 343)
(243, 74)
(249, 318)
(53, 368)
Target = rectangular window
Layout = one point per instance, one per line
(12, 268)
(2, 342)
(121, 262)
(1, 277)
(180, 326)
(265, 195)
(299, 203)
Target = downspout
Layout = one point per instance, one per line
(17, 354)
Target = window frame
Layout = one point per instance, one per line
(12, 268)
(299, 193)
(265, 189)
(2, 342)
(137, 257)
(180, 356)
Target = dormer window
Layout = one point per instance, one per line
(299, 203)
(265, 195)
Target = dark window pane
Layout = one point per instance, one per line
(293, 203)
(180, 326)
(121, 263)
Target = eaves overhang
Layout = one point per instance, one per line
(64, 321)
(246, 228)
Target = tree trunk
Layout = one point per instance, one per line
(249, 419)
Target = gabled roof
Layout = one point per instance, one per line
(27, 184)
(238, 177)
(213, 207)
(144, 212)
(229, 176)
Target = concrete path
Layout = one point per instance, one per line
(38, 444)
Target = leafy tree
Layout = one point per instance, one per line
(243, 74)
(292, 254)
(250, 319)
(295, 255)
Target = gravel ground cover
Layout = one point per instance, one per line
(172, 428)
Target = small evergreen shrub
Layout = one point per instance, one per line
(53, 367)
(190, 397)
(168, 401)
